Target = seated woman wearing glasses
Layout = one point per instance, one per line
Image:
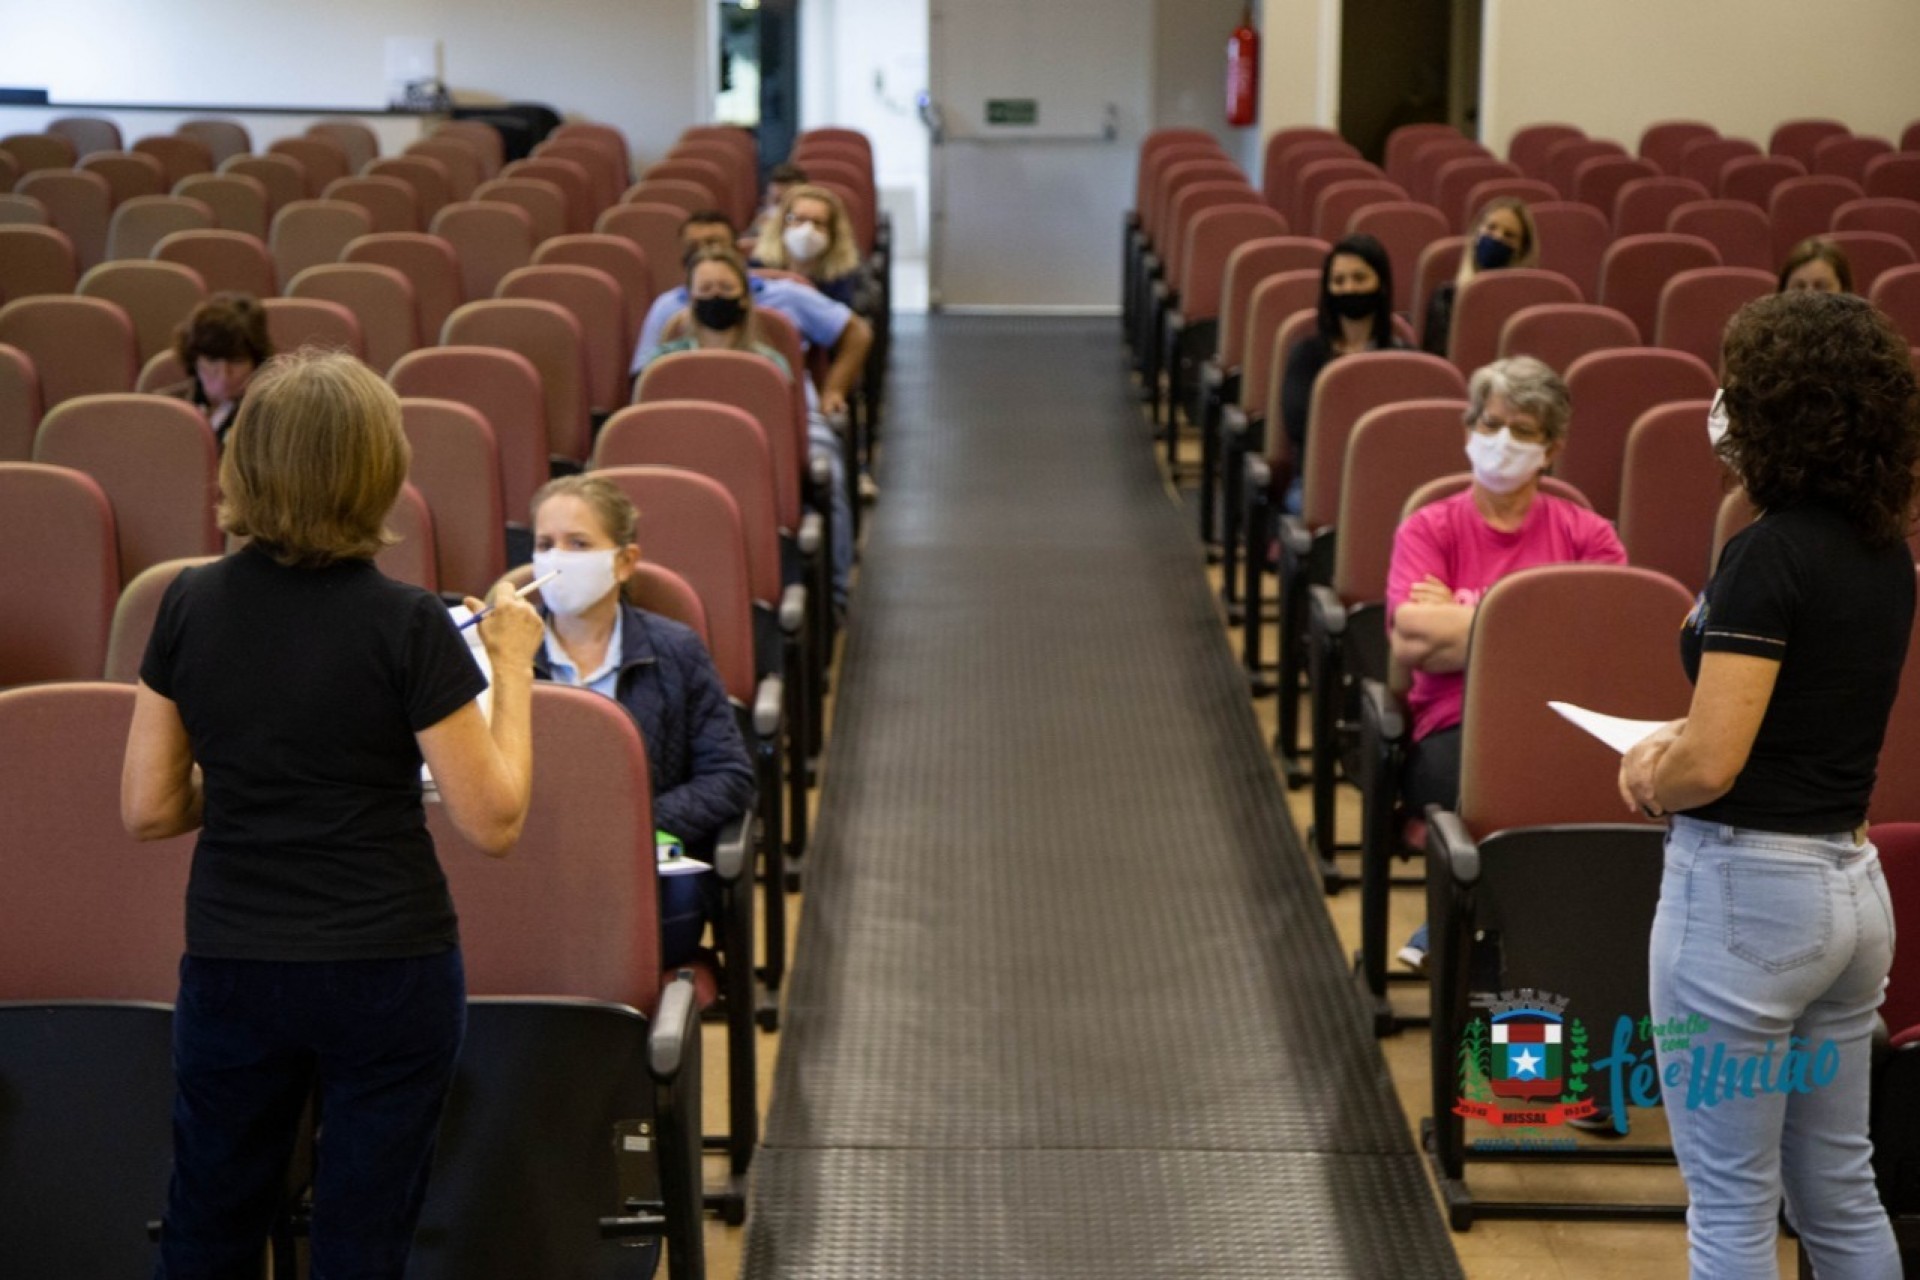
(1448, 554)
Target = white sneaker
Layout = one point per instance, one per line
(1412, 957)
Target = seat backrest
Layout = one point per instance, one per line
(1280, 295)
(1605, 633)
(1532, 191)
(1565, 158)
(223, 139)
(1160, 224)
(360, 144)
(1407, 230)
(1212, 237)
(1394, 449)
(161, 373)
(1803, 207)
(572, 179)
(504, 388)
(1736, 513)
(688, 197)
(605, 172)
(484, 138)
(1430, 156)
(548, 335)
(1312, 179)
(1894, 177)
(1898, 842)
(229, 261)
(157, 297)
(778, 331)
(490, 238)
(745, 381)
(293, 323)
(1194, 199)
(1598, 181)
(35, 260)
(1250, 265)
(18, 210)
(1610, 390)
(1665, 141)
(1558, 333)
(658, 589)
(719, 441)
(310, 233)
(57, 526)
(1753, 178)
(79, 346)
(430, 266)
(1404, 142)
(1529, 146)
(390, 203)
(1643, 205)
(1894, 216)
(544, 203)
(653, 229)
(690, 524)
(1154, 167)
(178, 154)
(462, 160)
(574, 911)
(595, 300)
(718, 184)
(1487, 300)
(432, 186)
(283, 178)
(1703, 158)
(380, 298)
(413, 559)
(1346, 389)
(1670, 490)
(238, 202)
(1636, 268)
(1739, 230)
(134, 614)
(1465, 174)
(322, 158)
(90, 913)
(1800, 138)
(1339, 201)
(1848, 156)
(154, 458)
(128, 174)
(88, 134)
(141, 222)
(78, 203)
(1573, 241)
(1696, 305)
(19, 404)
(456, 468)
(1870, 254)
(1897, 293)
(1439, 263)
(620, 258)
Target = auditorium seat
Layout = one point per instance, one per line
(619, 258)
(593, 298)
(653, 229)
(322, 160)
(1896, 176)
(35, 260)
(143, 221)
(414, 557)
(1739, 230)
(1635, 269)
(128, 174)
(1486, 301)
(702, 173)
(88, 134)
(1573, 241)
(1703, 158)
(1407, 230)
(33, 152)
(456, 468)
(389, 202)
(543, 203)
(573, 181)
(430, 266)
(238, 203)
(1894, 216)
(1339, 201)
(79, 346)
(229, 261)
(361, 144)
(615, 142)
(1458, 179)
(134, 613)
(505, 389)
(1665, 141)
(550, 337)
(223, 139)
(1801, 139)
(489, 238)
(309, 233)
(1529, 145)
(1803, 207)
(9, 170)
(1897, 293)
(1565, 158)
(380, 298)
(161, 372)
(1190, 325)
(281, 177)
(1643, 205)
(1558, 333)
(432, 187)
(57, 526)
(1431, 155)
(1530, 191)
(293, 323)
(1597, 181)
(689, 197)
(1847, 156)
(1309, 182)
(179, 155)
(1753, 178)
(1671, 484)
(19, 404)
(78, 203)
(19, 210)
(606, 171)
(1437, 264)
(461, 158)
(1610, 390)
(485, 139)
(157, 297)
(1870, 254)
(155, 460)
(1695, 306)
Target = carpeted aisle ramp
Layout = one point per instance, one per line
(1067, 1002)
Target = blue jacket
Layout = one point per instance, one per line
(701, 773)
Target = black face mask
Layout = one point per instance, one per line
(719, 313)
(1354, 306)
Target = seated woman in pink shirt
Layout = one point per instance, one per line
(1449, 553)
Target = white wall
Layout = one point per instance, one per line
(1299, 65)
(1743, 65)
(1190, 71)
(636, 64)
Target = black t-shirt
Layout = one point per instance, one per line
(1800, 586)
(301, 691)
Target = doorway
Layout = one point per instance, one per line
(1407, 62)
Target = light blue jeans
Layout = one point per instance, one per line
(1769, 957)
(824, 439)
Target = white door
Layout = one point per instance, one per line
(1037, 109)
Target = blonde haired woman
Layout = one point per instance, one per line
(287, 698)
(1505, 237)
(719, 312)
(813, 235)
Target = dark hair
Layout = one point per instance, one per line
(786, 172)
(1374, 254)
(706, 217)
(1822, 409)
(227, 326)
(1817, 249)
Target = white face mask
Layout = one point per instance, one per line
(1717, 420)
(585, 579)
(804, 242)
(1502, 464)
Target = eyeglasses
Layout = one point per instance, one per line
(1525, 430)
(801, 220)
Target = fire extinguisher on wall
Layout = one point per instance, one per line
(1243, 72)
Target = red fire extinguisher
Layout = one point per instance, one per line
(1243, 72)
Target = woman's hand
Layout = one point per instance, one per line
(832, 402)
(513, 632)
(1430, 591)
(1641, 763)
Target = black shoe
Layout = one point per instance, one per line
(1599, 1124)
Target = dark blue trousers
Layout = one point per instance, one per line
(374, 1041)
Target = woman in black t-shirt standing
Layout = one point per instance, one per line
(1774, 931)
(287, 699)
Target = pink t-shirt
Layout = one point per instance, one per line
(1451, 540)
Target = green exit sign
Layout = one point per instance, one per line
(1013, 111)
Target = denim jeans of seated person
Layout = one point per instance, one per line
(1778, 946)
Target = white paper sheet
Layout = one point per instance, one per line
(1619, 733)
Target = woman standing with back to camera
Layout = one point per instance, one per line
(1774, 927)
(287, 698)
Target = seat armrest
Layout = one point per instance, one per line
(810, 535)
(676, 1021)
(768, 700)
(1234, 419)
(1212, 375)
(1296, 537)
(793, 609)
(820, 471)
(733, 851)
(1176, 320)
(1448, 839)
(1329, 611)
(1383, 710)
(1259, 474)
